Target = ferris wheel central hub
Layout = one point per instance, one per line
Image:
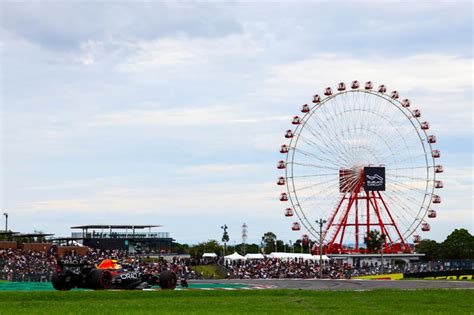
(369, 178)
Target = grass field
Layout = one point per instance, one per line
(208, 271)
(238, 302)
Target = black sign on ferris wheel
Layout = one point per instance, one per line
(374, 178)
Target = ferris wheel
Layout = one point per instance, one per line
(361, 159)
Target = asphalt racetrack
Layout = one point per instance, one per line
(316, 284)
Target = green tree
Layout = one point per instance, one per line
(430, 248)
(458, 245)
(180, 248)
(268, 240)
(374, 241)
(251, 248)
(280, 246)
(211, 246)
(297, 246)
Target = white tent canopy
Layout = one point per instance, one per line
(233, 257)
(254, 256)
(209, 255)
(289, 256)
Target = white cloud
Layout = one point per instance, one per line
(210, 115)
(438, 84)
(208, 170)
(185, 116)
(431, 72)
(189, 52)
(145, 200)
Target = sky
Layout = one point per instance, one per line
(172, 112)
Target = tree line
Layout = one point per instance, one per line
(457, 245)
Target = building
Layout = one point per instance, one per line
(358, 260)
(132, 238)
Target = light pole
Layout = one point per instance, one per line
(321, 223)
(382, 243)
(225, 237)
(6, 221)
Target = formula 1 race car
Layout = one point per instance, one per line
(107, 275)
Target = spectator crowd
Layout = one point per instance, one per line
(273, 268)
(19, 265)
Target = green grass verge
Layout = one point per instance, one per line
(208, 271)
(238, 302)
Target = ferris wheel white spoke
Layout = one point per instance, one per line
(407, 186)
(322, 146)
(406, 168)
(313, 175)
(313, 165)
(402, 210)
(330, 142)
(313, 185)
(330, 128)
(312, 155)
(309, 142)
(389, 175)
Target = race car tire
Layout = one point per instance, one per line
(61, 282)
(100, 279)
(168, 280)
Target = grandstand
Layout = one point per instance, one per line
(132, 238)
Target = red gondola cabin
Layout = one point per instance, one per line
(431, 139)
(281, 165)
(288, 212)
(283, 197)
(284, 148)
(425, 227)
(316, 99)
(382, 88)
(436, 199)
(416, 113)
(305, 108)
(289, 134)
(369, 85)
(341, 86)
(296, 120)
(406, 103)
(281, 181)
(295, 226)
(431, 214)
(439, 169)
(425, 125)
(328, 91)
(436, 154)
(355, 84)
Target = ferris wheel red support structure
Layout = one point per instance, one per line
(374, 205)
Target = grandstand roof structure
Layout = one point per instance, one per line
(114, 226)
(8, 232)
(33, 234)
